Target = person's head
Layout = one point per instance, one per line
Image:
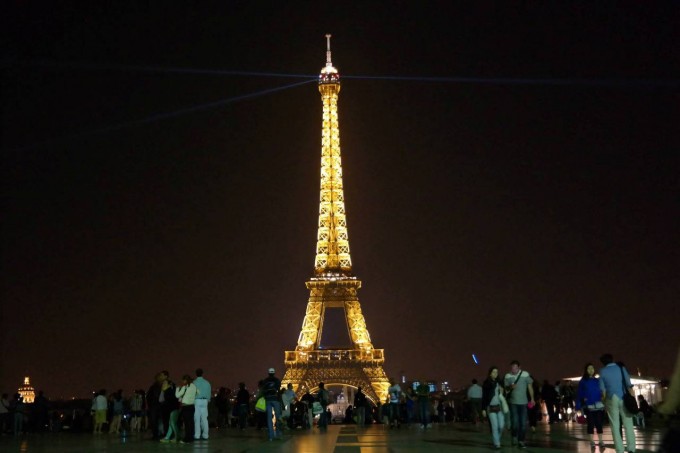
(588, 371)
(514, 366)
(271, 371)
(289, 386)
(164, 376)
(493, 372)
(474, 381)
(392, 381)
(321, 385)
(606, 359)
(186, 379)
(241, 385)
(102, 392)
(359, 389)
(199, 372)
(5, 396)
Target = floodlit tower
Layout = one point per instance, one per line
(26, 391)
(333, 286)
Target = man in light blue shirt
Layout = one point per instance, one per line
(203, 394)
(614, 380)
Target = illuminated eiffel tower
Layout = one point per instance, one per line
(333, 285)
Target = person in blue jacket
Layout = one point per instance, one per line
(589, 401)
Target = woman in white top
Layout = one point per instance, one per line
(186, 394)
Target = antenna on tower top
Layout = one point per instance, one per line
(328, 50)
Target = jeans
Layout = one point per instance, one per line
(615, 409)
(242, 415)
(518, 414)
(424, 411)
(276, 407)
(394, 413)
(201, 419)
(497, 421)
(172, 428)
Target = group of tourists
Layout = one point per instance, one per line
(508, 399)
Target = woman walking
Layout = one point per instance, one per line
(589, 400)
(186, 394)
(492, 392)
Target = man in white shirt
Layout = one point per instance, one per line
(474, 396)
(518, 383)
(204, 392)
(395, 395)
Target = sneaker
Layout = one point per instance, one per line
(522, 445)
(165, 441)
(592, 444)
(601, 445)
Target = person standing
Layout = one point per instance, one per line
(589, 400)
(136, 405)
(186, 394)
(288, 398)
(517, 383)
(242, 403)
(203, 396)
(99, 406)
(492, 391)
(395, 395)
(153, 408)
(17, 407)
(324, 399)
(308, 400)
(474, 396)
(167, 399)
(423, 395)
(549, 395)
(614, 381)
(4, 414)
(270, 391)
(360, 407)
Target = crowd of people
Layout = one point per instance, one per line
(511, 401)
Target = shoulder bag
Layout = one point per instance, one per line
(629, 401)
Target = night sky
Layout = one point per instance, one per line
(529, 211)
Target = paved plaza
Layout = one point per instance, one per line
(457, 437)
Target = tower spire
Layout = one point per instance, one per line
(328, 50)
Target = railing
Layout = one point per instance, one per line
(335, 355)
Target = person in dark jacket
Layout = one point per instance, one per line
(154, 407)
(492, 407)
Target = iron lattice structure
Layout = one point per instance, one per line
(333, 285)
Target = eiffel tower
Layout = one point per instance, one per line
(333, 286)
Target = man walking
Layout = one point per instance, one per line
(614, 381)
(395, 395)
(517, 383)
(270, 390)
(474, 396)
(204, 393)
(423, 395)
(360, 407)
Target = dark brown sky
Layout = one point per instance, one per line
(530, 220)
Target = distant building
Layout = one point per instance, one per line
(26, 391)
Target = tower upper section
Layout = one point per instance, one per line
(332, 242)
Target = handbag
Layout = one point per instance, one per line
(261, 404)
(629, 401)
(317, 408)
(581, 419)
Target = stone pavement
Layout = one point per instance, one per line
(458, 437)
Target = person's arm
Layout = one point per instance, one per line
(530, 387)
(672, 401)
